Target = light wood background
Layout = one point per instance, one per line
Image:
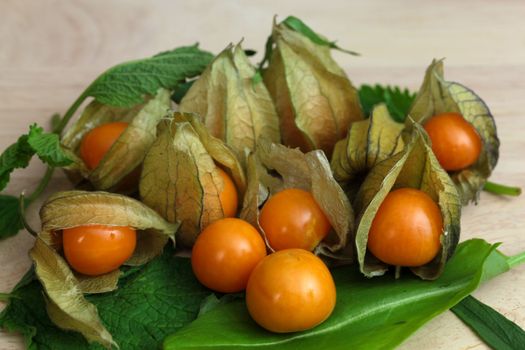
(50, 50)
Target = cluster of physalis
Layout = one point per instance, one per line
(269, 176)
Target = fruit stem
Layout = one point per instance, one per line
(398, 272)
(69, 114)
(501, 189)
(41, 186)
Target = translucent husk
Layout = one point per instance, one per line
(275, 167)
(128, 151)
(66, 305)
(232, 105)
(180, 180)
(315, 100)
(414, 167)
(436, 96)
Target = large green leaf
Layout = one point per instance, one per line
(370, 314)
(491, 326)
(436, 96)
(126, 84)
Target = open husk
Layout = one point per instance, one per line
(414, 167)
(436, 96)
(128, 151)
(66, 305)
(275, 167)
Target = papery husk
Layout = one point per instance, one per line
(275, 167)
(315, 100)
(128, 151)
(368, 142)
(180, 180)
(414, 167)
(64, 288)
(231, 104)
(439, 96)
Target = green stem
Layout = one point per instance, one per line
(41, 186)
(23, 207)
(5, 296)
(24, 203)
(515, 260)
(69, 113)
(501, 189)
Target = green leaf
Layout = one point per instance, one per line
(397, 100)
(370, 314)
(212, 301)
(15, 156)
(47, 147)
(181, 91)
(299, 26)
(18, 155)
(149, 304)
(10, 216)
(493, 328)
(126, 84)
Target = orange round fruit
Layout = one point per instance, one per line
(225, 253)
(293, 219)
(455, 142)
(98, 249)
(406, 229)
(228, 196)
(97, 142)
(290, 290)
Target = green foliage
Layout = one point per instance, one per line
(370, 314)
(15, 156)
(125, 85)
(47, 147)
(10, 216)
(492, 327)
(181, 91)
(149, 304)
(397, 100)
(18, 155)
(299, 26)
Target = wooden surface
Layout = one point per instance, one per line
(50, 50)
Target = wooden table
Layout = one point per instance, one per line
(50, 50)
